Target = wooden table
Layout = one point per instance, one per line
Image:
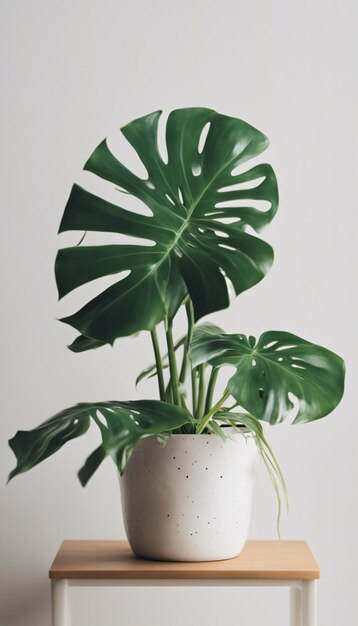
(261, 563)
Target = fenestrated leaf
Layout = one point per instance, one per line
(127, 423)
(272, 371)
(33, 446)
(195, 248)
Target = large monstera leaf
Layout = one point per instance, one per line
(196, 248)
(122, 425)
(272, 371)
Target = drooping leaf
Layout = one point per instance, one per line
(274, 373)
(91, 465)
(191, 198)
(82, 344)
(236, 420)
(127, 423)
(33, 446)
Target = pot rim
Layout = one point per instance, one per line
(230, 431)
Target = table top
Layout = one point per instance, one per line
(290, 560)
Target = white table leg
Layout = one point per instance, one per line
(309, 603)
(60, 614)
(295, 606)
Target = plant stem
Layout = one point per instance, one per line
(158, 363)
(201, 397)
(189, 336)
(169, 393)
(212, 412)
(191, 321)
(194, 390)
(211, 387)
(173, 366)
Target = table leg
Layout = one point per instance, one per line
(309, 603)
(60, 614)
(295, 606)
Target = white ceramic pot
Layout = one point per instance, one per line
(189, 500)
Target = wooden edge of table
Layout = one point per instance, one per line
(113, 560)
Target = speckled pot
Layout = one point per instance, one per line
(189, 500)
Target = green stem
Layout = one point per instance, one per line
(201, 397)
(230, 408)
(182, 401)
(194, 391)
(158, 363)
(212, 412)
(169, 393)
(189, 336)
(173, 365)
(211, 387)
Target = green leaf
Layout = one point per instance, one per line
(274, 373)
(126, 423)
(33, 446)
(215, 428)
(195, 250)
(91, 465)
(82, 343)
(236, 420)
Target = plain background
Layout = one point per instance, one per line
(73, 72)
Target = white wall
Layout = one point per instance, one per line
(75, 71)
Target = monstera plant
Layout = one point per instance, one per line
(204, 206)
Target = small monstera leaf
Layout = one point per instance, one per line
(125, 423)
(200, 211)
(272, 370)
